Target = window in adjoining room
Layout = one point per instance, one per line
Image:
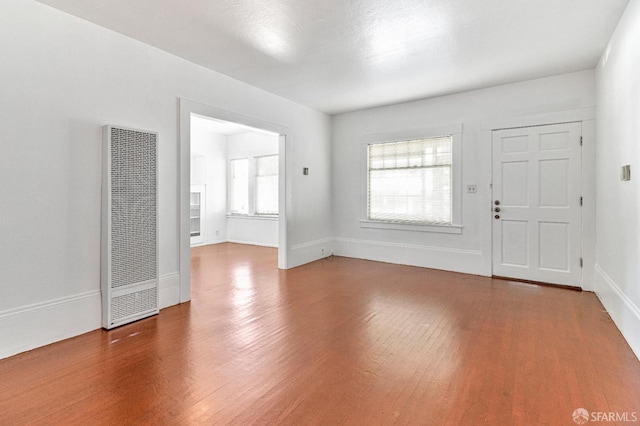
(253, 186)
(266, 187)
(239, 186)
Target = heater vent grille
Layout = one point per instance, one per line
(133, 303)
(129, 265)
(133, 207)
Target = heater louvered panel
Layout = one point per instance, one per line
(130, 255)
(132, 304)
(133, 206)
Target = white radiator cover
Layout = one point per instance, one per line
(129, 264)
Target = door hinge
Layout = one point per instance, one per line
(581, 201)
(581, 263)
(580, 140)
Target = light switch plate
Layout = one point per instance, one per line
(625, 172)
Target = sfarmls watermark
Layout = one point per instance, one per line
(582, 416)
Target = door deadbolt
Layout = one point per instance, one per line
(497, 216)
(497, 209)
(496, 202)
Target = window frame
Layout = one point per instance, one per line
(255, 184)
(251, 188)
(230, 192)
(452, 130)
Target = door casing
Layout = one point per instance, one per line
(537, 193)
(485, 178)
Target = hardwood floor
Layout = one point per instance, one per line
(338, 341)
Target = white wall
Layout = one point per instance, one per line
(209, 168)
(467, 252)
(252, 144)
(254, 230)
(618, 203)
(63, 79)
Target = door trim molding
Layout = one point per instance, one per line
(185, 109)
(570, 116)
(587, 117)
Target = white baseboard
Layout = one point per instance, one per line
(169, 290)
(252, 243)
(208, 243)
(32, 326)
(310, 251)
(624, 313)
(456, 260)
(29, 327)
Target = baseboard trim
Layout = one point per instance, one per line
(624, 313)
(445, 258)
(31, 326)
(253, 243)
(313, 243)
(169, 290)
(310, 251)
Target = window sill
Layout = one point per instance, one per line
(251, 216)
(444, 229)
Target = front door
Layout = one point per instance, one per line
(537, 218)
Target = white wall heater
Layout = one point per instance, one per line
(129, 264)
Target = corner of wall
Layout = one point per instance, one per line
(622, 310)
(310, 251)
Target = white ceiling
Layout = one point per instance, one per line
(342, 55)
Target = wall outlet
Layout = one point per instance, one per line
(472, 189)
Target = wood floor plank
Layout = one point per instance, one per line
(338, 341)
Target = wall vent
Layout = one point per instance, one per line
(129, 265)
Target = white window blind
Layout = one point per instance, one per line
(266, 189)
(411, 181)
(239, 197)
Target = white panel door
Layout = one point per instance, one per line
(537, 225)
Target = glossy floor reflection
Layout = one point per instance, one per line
(338, 341)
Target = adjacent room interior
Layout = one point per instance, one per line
(423, 212)
(234, 184)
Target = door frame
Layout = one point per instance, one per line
(587, 117)
(186, 109)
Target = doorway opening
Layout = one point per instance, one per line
(232, 184)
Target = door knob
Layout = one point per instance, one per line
(496, 202)
(497, 209)
(497, 216)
